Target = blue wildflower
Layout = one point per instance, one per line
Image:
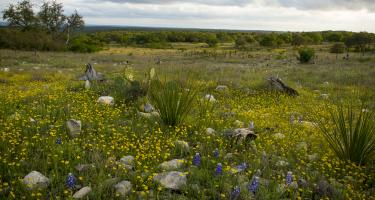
(251, 126)
(197, 159)
(289, 178)
(219, 169)
(241, 167)
(235, 193)
(58, 141)
(216, 153)
(253, 186)
(71, 180)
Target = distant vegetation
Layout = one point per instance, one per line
(51, 30)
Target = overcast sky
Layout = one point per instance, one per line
(278, 15)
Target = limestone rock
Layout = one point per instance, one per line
(106, 100)
(128, 161)
(210, 98)
(210, 131)
(35, 180)
(221, 87)
(82, 192)
(123, 187)
(74, 127)
(148, 108)
(171, 180)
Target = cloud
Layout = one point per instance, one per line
(298, 4)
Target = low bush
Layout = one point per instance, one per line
(305, 54)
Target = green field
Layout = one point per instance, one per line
(39, 92)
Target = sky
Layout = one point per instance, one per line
(274, 15)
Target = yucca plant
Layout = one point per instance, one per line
(171, 101)
(352, 136)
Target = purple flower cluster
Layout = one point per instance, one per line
(289, 178)
(216, 153)
(253, 186)
(235, 193)
(58, 141)
(197, 159)
(219, 169)
(241, 167)
(71, 180)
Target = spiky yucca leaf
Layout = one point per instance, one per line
(171, 101)
(353, 134)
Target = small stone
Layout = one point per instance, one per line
(106, 100)
(324, 96)
(184, 146)
(210, 98)
(127, 160)
(83, 167)
(148, 108)
(36, 180)
(278, 135)
(238, 123)
(87, 85)
(6, 69)
(82, 192)
(74, 127)
(123, 187)
(172, 164)
(172, 180)
(221, 87)
(210, 131)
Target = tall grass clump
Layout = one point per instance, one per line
(172, 101)
(353, 134)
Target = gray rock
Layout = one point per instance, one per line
(83, 167)
(106, 100)
(221, 87)
(74, 127)
(210, 131)
(148, 108)
(123, 187)
(171, 180)
(87, 85)
(210, 98)
(184, 146)
(83, 192)
(36, 180)
(128, 161)
(172, 164)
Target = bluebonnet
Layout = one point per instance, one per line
(253, 186)
(235, 193)
(197, 159)
(251, 126)
(241, 167)
(289, 178)
(71, 180)
(58, 141)
(300, 119)
(219, 169)
(216, 153)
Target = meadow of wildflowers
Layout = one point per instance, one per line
(289, 159)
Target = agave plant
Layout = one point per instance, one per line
(171, 101)
(353, 134)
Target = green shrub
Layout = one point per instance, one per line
(305, 54)
(171, 101)
(353, 134)
(85, 44)
(338, 48)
